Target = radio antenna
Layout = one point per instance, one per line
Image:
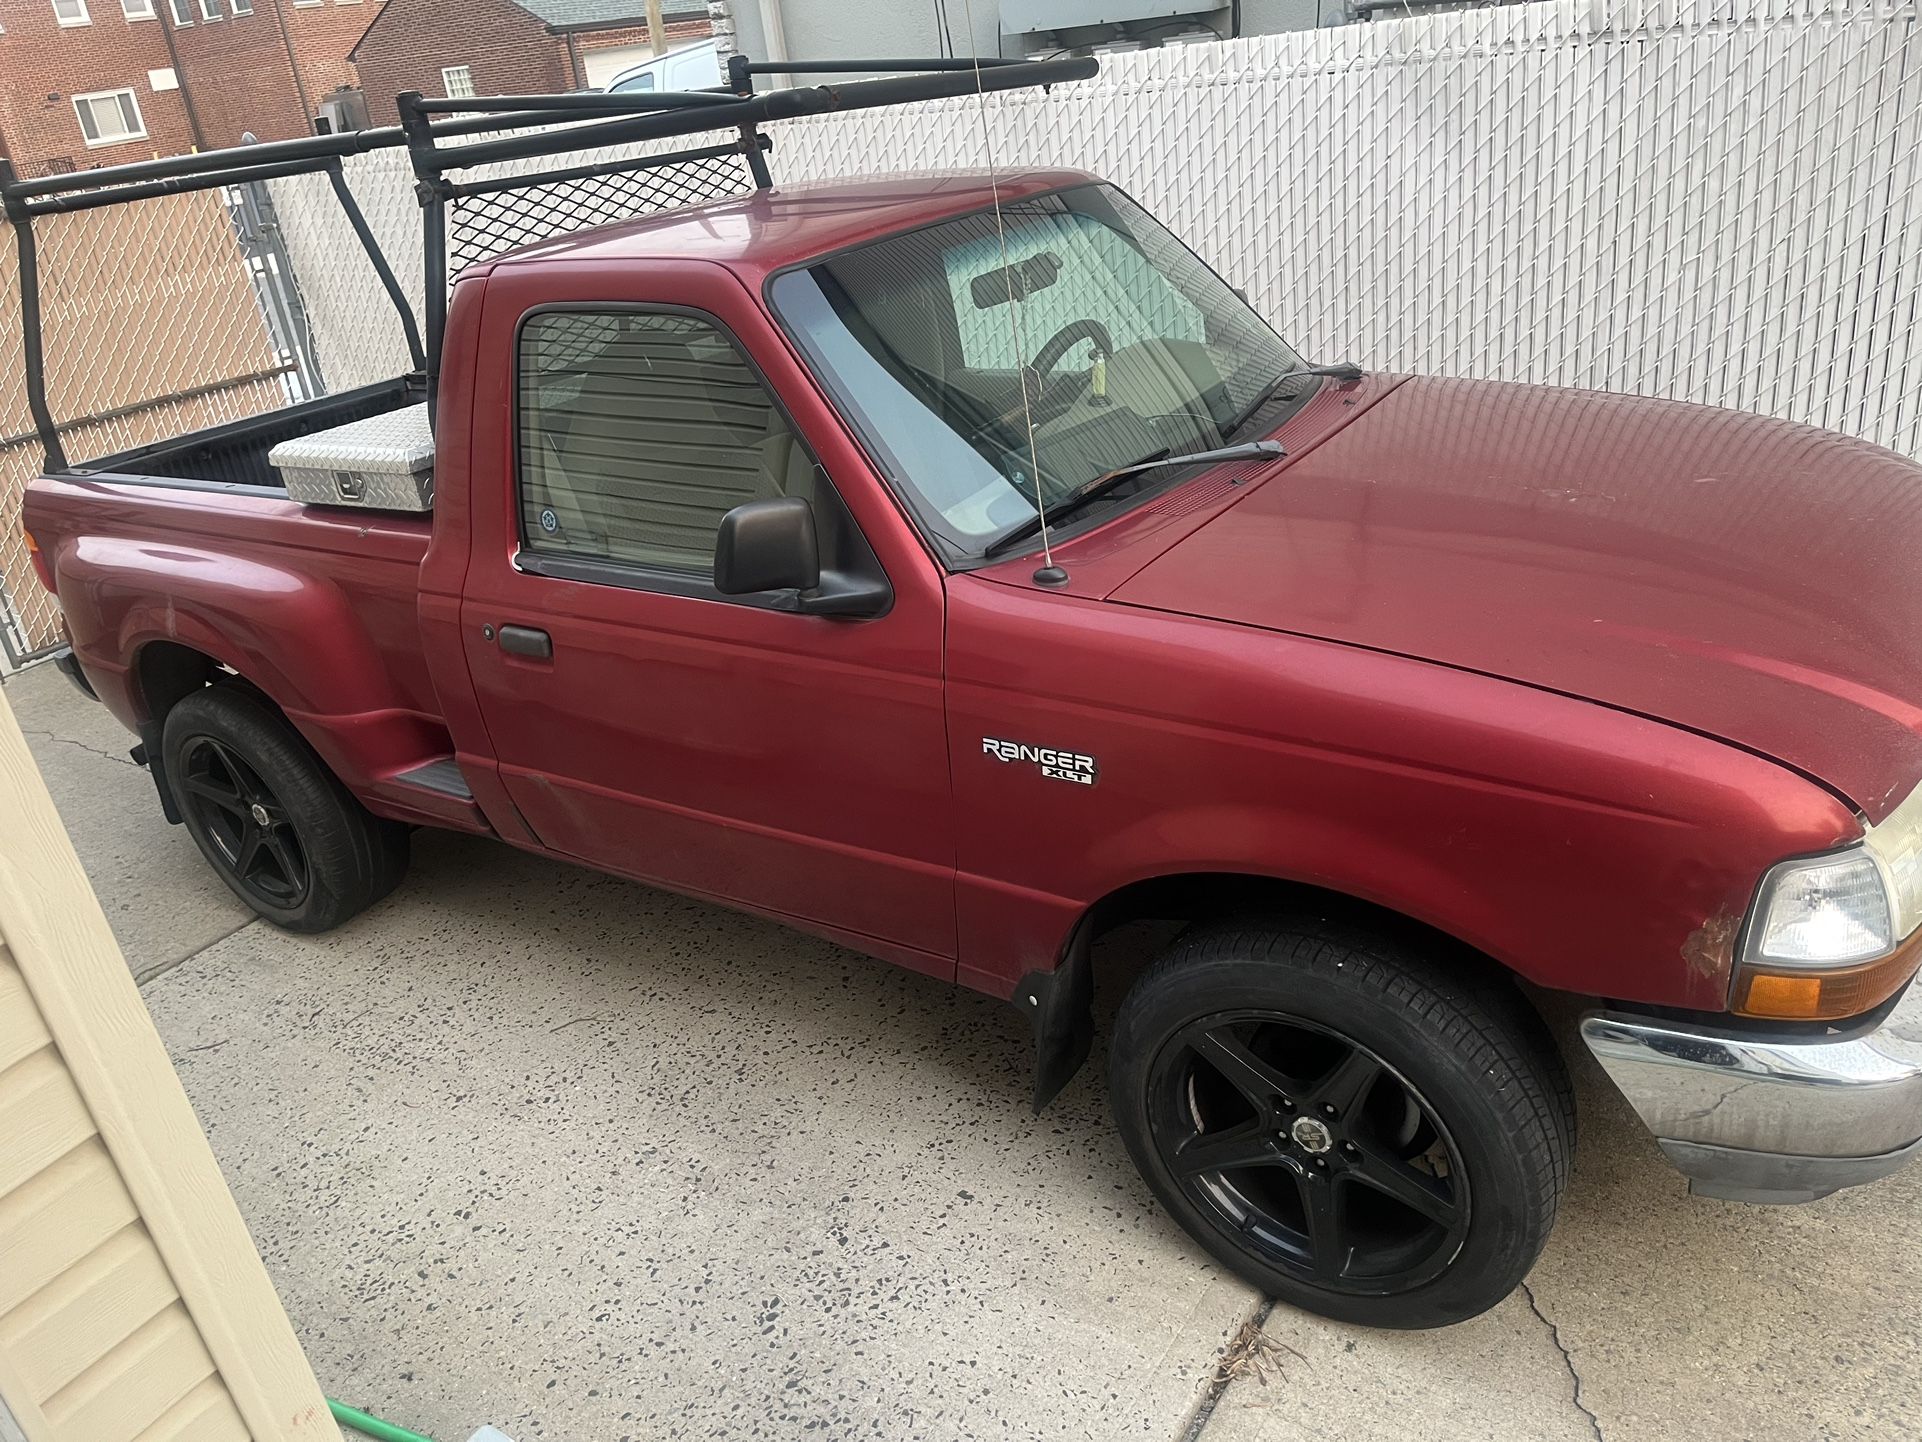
(1049, 574)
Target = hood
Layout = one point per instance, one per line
(1747, 578)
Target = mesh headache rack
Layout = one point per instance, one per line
(463, 152)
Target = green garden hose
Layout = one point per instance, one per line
(372, 1426)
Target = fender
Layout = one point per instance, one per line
(1057, 1000)
(293, 634)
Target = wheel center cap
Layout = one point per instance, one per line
(1311, 1136)
(259, 813)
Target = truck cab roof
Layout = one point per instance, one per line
(771, 229)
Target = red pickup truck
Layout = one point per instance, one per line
(1412, 698)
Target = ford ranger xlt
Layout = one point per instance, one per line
(955, 567)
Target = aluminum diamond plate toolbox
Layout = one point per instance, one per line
(382, 463)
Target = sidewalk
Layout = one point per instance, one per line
(531, 1145)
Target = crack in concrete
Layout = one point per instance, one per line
(1220, 1382)
(1568, 1361)
(78, 745)
(161, 968)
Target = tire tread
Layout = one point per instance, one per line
(354, 857)
(1476, 1014)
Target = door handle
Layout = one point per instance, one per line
(527, 641)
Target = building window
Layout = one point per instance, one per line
(109, 117)
(71, 12)
(210, 10)
(457, 81)
(304, 4)
(183, 12)
(137, 9)
(243, 7)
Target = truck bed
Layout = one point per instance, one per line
(235, 453)
(194, 545)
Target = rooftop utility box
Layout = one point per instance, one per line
(345, 109)
(1024, 17)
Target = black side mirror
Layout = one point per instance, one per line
(767, 546)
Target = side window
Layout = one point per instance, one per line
(1092, 274)
(638, 431)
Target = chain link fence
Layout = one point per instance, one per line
(154, 324)
(1703, 200)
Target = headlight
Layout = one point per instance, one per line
(1824, 912)
(1834, 936)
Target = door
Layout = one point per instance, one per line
(642, 721)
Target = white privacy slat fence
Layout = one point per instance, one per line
(1708, 200)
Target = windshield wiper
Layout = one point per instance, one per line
(1340, 370)
(1088, 491)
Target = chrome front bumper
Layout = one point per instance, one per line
(1759, 1118)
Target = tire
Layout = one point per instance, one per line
(1426, 1193)
(232, 761)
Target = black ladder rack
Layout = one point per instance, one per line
(435, 133)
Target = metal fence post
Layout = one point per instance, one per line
(257, 226)
(33, 352)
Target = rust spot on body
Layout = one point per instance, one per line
(1710, 948)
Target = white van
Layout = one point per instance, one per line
(692, 67)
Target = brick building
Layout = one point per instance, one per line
(100, 82)
(508, 47)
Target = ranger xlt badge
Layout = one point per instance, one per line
(1056, 765)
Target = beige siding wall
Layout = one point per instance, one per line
(133, 1307)
(98, 1346)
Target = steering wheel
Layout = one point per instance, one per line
(1065, 340)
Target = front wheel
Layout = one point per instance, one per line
(1347, 1125)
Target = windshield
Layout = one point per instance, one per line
(1131, 347)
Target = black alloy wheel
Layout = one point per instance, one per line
(1359, 1118)
(276, 825)
(1311, 1149)
(253, 837)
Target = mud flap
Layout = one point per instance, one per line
(1059, 1006)
(149, 753)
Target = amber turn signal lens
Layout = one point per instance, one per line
(38, 560)
(1831, 994)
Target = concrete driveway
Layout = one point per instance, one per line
(533, 1146)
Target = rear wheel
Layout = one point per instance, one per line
(281, 830)
(1349, 1126)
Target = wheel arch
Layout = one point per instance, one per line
(163, 673)
(167, 672)
(1059, 1003)
(1195, 895)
